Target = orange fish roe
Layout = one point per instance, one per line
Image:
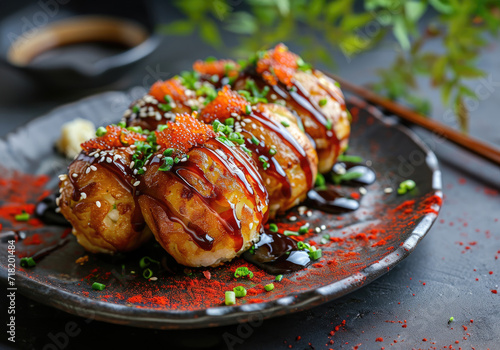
(184, 134)
(171, 87)
(221, 68)
(282, 62)
(226, 103)
(114, 137)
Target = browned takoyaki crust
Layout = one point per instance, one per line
(98, 197)
(313, 97)
(210, 206)
(286, 159)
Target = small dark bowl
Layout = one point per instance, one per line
(80, 44)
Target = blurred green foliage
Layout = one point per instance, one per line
(461, 26)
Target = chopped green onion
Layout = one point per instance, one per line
(136, 129)
(337, 179)
(229, 121)
(146, 261)
(269, 287)
(329, 124)
(210, 59)
(322, 102)
(290, 233)
(246, 150)
(293, 89)
(406, 186)
(168, 163)
(273, 227)
(265, 165)
(248, 109)
(122, 124)
(230, 298)
(285, 123)
(239, 291)
(304, 229)
(135, 109)
(98, 286)
(148, 273)
(272, 151)
(451, 319)
(255, 141)
(315, 255)
(162, 127)
(165, 107)
(101, 131)
(320, 180)
(22, 217)
(262, 159)
(168, 98)
(28, 262)
(168, 152)
(278, 278)
(243, 272)
(352, 159)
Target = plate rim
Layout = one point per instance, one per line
(293, 302)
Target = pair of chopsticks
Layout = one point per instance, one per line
(467, 142)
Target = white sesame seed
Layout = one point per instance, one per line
(102, 159)
(323, 227)
(117, 156)
(109, 160)
(58, 199)
(83, 195)
(58, 210)
(93, 167)
(63, 177)
(60, 190)
(293, 218)
(274, 97)
(363, 191)
(87, 170)
(98, 204)
(135, 171)
(144, 168)
(309, 213)
(388, 190)
(137, 183)
(74, 175)
(317, 229)
(302, 209)
(246, 120)
(96, 155)
(234, 115)
(159, 156)
(132, 164)
(243, 124)
(158, 116)
(369, 163)
(153, 278)
(254, 126)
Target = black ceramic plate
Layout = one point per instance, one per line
(364, 244)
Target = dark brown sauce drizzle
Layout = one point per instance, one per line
(39, 255)
(330, 201)
(368, 175)
(277, 254)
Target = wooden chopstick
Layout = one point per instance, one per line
(467, 142)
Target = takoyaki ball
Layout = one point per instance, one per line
(315, 98)
(217, 72)
(202, 198)
(286, 158)
(97, 195)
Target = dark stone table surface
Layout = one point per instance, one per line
(409, 307)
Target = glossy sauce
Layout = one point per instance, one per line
(277, 254)
(45, 210)
(330, 201)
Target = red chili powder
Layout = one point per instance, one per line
(494, 291)
(380, 339)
